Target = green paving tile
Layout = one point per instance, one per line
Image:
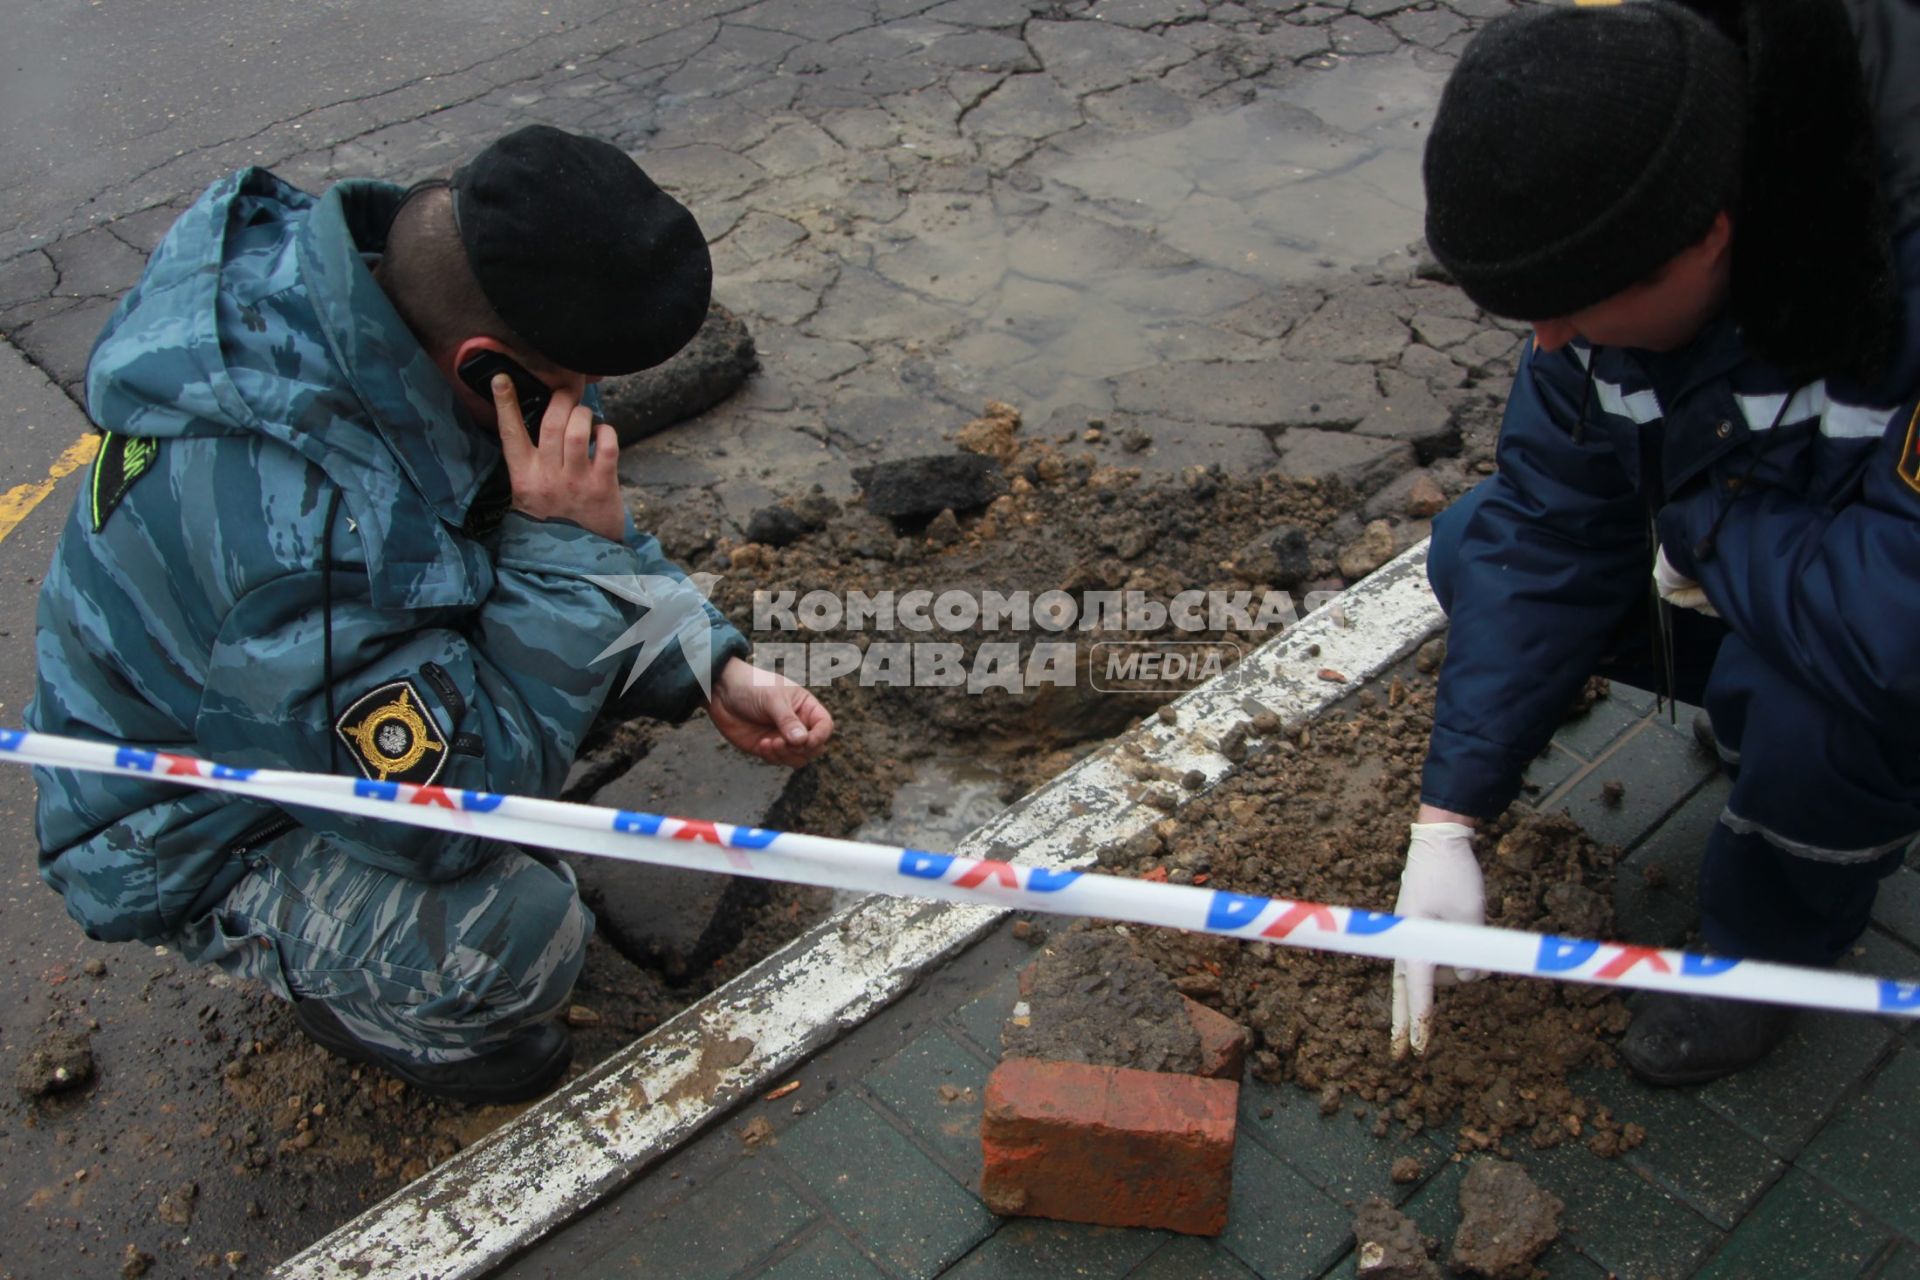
(1337, 1153)
(910, 1082)
(1690, 1151)
(1277, 1223)
(1435, 1209)
(1191, 1258)
(1619, 1220)
(1901, 1264)
(1658, 771)
(824, 1255)
(1663, 915)
(892, 1197)
(1034, 1249)
(729, 1225)
(1870, 1150)
(983, 1017)
(1589, 734)
(1897, 909)
(1546, 771)
(1800, 1229)
(1782, 1099)
(1638, 701)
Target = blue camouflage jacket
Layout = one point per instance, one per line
(1808, 495)
(294, 551)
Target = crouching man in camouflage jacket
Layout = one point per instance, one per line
(320, 536)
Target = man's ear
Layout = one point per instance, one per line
(450, 361)
(467, 348)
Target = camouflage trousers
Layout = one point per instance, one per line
(437, 971)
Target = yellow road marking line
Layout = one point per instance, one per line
(17, 502)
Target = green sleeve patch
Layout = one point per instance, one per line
(121, 461)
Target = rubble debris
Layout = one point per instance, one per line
(61, 1062)
(706, 371)
(756, 1132)
(176, 1206)
(1388, 1245)
(922, 487)
(1506, 1222)
(1095, 1000)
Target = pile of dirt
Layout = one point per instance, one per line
(1073, 521)
(1322, 816)
(1094, 999)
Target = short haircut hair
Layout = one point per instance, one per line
(424, 273)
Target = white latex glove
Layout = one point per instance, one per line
(1441, 882)
(1677, 589)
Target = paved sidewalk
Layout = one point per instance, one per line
(1804, 1166)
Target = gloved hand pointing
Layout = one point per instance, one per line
(1441, 881)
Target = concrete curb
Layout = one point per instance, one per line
(561, 1156)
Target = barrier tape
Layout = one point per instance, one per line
(698, 845)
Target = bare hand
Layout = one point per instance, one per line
(556, 479)
(767, 715)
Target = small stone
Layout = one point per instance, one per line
(756, 1132)
(1234, 745)
(1135, 441)
(944, 529)
(1168, 715)
(778, 526)
(236, 1257)
(134, 1262)
(95, 968)
(1160, 799)
(578, 1015)
(1331, 676)
(176, 1206)
(1431, 655)
(1193, 780)
(1022, 929)
(1265, 724)
(1612, 792)
(1425, 499)
(1406, 1169)
(1373, 548)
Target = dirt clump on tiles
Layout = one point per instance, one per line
(1095, 999)
(1322, 816)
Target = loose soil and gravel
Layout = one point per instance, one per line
(1321, 815)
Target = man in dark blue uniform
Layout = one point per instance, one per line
(1708, 481)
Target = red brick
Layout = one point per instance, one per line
(1108, 1145)
(1223, 1042)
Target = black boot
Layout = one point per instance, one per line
(1678, 1039)
(526, 1066)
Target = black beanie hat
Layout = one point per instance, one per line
(1575, 150)
(583, 257)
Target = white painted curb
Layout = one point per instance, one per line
(561, 1156)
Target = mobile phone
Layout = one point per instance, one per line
(477, 372)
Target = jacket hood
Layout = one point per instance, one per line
(259, 314)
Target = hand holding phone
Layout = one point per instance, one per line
(573, 473)
(478, 372)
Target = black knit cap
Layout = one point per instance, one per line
(584, 258)
(1575, 150)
